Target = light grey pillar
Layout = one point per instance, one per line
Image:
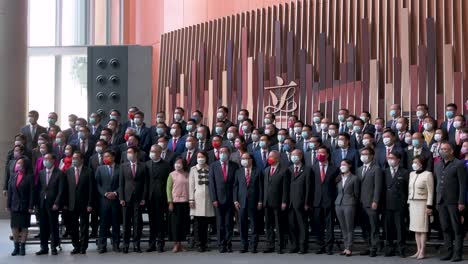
(13, 77)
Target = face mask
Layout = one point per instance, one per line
(245, 129)
(357, 129)
(344, 169)
(152, 156)
(295, 159)
(267, 121)
(40, 142)
(449, 114)
(240, 118)
(230, 135)
(311, 145)
(47, 164)
(262, 144)
(220, 115)
(219, 130)
(130, 144)
(427, 126)
(51, 121)
(160, 131)
(457, 124)
(305, 134)
(255, 137)
(366, 142)
(387, 141)
(363, 118)
(201, 161)
(126, 137)
(349, 124)
(341, 118)
(43, 151)
(58, 141)
(399, 126)
(216, 144)
(420, 114)
(107, 162)
(223, 157)
(92, 120)
(408, 140)
(365, 159)
(287, 148)
(291, 124)
(378, 127)
(271, 161)
(130, 156)
(267, 132)
(177, 117)
(173, 132)
(332, 133)
(112, 117)
(244, 163)
(463, 137)
(341, 144)
(437, 137)
(200, 136)
(81, 135)
(159, 120)
(316, 119)
(321, 157)
(415, 143)
(297, 130)
(99, 150)
(178, 166)
(392, 113)
(444, 155)
(138, 121)
(112, 128)
(281, 138)
(16, 155)
(416, 167)
(188, 145)
(18, 143)
(391, 162)
(75, 163)
(189, 128)
(324, 127)
(131, 115)
(196, 118)
(162, 145)
(103, 138)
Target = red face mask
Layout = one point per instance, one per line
(131, 115)
(271, 161)
(291, 124)
(216, 144)
(126, 137)
(107, 161)
(321, 157)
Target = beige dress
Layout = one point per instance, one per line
(420, 195)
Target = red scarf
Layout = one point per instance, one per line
(67, 162)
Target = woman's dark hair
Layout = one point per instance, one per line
(184, 163)
(422, 160)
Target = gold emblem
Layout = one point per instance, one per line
(282, 97)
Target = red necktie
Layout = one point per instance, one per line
(247, 176)
(322, 173)
(272, 171)
(216, 154)
(174, 144)
(296, 171)
(189, 156)
(77, 175)
(19, 178)
(133, 170)
(224, 171)
(420, 126)
(388, 151)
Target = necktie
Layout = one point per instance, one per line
(341, 128)
(94, 130)
(264, 157)
(392, 170)
(333, 142)
(272, 171)
(420, 126)
(449, 124)
(280, 147)
(241, 132)
(200, 145)
(33, 131)
(174, 144)
(19, 178)
(247, 176)
(110, 171)
(364, 170)
(296, 171)
(216, 154)
(298, 138)
(343, 154)
(324, 137)
(133, 170)
(77, 175)
(305, 146)
(313, 157)
(189, 156)
(393, 124)
(322, 173)
(163, 154)
(247, 137)
(47, 177)
(100, 159)
(388, 151)
(224, 171)
(82, 147)
(457, 136)
(60, 150)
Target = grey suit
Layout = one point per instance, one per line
(345, 206)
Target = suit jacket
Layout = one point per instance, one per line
(276, 186)
(132, 188)
(180, 145)
(425, 153)
(368, 128)
(371, 184)
(355, 143)
(145, 138)
(60, 153)
(21, 198)
(258, 159)
(220, 190)
(451, 182)
(94, 162)
(193, 158)
(348, 194)
(31, 142)
(308, 158)
(96, 133)
(105, 182)
(352, 154)
(300, 187)
(89, 152)
(80, 195)
(156, 180)
(206, 146)
(325, 193)
(251, 148)
(396, 189)
(451, 132)
(248, 195)
(381, 155)
(170, 157)
(53, 192)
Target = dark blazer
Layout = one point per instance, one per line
(352, 154)
(425, 153)
(54, 192)
(350, 193)
(97, 133)
(156, 180)
(104, 182)
(308, 158)
(248, 195)
(211, 156)
(132, 188)
(355, 143)
(170, 157)
(251, 148)
(180, 146)
(451, 132)
(396, 189)
(325, 193)
(371, 184)
(145, 138)
(369, 128)
(60, 153)
(30, 141)
(193, 158)
(94, 162)
(300, 187)
(80, 195)
(220, 190)
(21, 198)
(89, 152)
(257, 157)
(381, 155)
(276, 186)
(451, 182)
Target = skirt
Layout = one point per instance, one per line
(419, 221)
(20, 220)
(179, 222)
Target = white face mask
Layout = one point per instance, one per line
(457, 124)
(387, 141)
(173, 131)
(177, 166)
(341, 143)
(188, 145)
(201, 161)
(220, 115)
(399, 126)
(177, 117)
(297, 130)
(230, 135)
(332, 133)
(267, 131)
(416, 167)
(240, 118)
(244, 163)
(391, 162)
(130, 157)
(162, 145)
(437, 137)
(365, 159)
(344, 169)
(323, 126)
(366, 142)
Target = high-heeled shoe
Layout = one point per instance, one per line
(415, 255)
(421, 256)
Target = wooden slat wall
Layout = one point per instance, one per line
(357, 54)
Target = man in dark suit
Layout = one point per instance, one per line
(451, 190)
(343, 115)
(418, 149)
(300, 202)
(345, 151)
(255, 144)
(213, 155)
(71, 127)
(97, 158)
(107, 182)
(396, 199)
(248, 193)
(325, 174)
(95, 126)
(366, 118)
(222, 115)
(389, 145)
(32, 130)
(190, 154)
(358, 131)
(133, 141)
(133, 175)
(421, 113)
(51, 188)
(310, 157)
(177, 142)
(371, 177)
(75, 137)
(246, 128)
(166, 154)
(447, 125)
(222, 178)
(395, 113)
(306, 135)
(261, 156)
(142, 131)
(204, 143)
(80, 183)
(316, 123)
(85, 143)
(158, 172)
(275, 200)
(179, 113)
(52, 121)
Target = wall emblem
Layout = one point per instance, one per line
(281, 97)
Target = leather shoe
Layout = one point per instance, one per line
(116, 249)
(102, 250)
(269, 250)
(373, 254)
(279, 251)
(54, 252)
(75, 251)
(254, 251)
(456, 259)
(83, 251)
(151, 249)
(320, 251)
(293, 250)
(302, 252)
(364, 253)
(222, 250)
(242, 251)
(42, 252)
(125, 250)
(137, 249)
(329, 252)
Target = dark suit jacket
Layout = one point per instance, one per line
(276, 186)
(451, 132)
(104, 182)
(372, 184)
(94, 162)
(451, 182)
(220, 190)
(132, 188)
(170, 157)
(193, 158)
(381, 155)
(251, 148)
(369, 128)
(30, 141)
(21, 198)
(396, 189)
(89, 152)
(352, 155)
(80, 195)
(350, 193)
(97, 133)
(180, 146)
(54, 192)
(156, 180)
(300, 187)
(425, 153)
(308, 158)
(257, 157)
(248, 196)
(145, 138)
(325, 193)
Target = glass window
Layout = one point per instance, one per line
(73, 22)
(41, 82)
(42, 22)
(74, 96)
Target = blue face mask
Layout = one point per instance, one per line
(47, 163)
(415, 143)
(392, 113)
(305, 134)
(281, 138)
(287, 148)
(449, 114)
(294, 159)
(219, 130)
(262, 144)
(189, 127)
(357, 129)
(223, 157)
(311, 145)
(199, 136)
(160, 131)
(196, 118)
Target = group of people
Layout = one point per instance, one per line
(390, 177)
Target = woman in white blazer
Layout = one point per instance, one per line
(420, 200)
